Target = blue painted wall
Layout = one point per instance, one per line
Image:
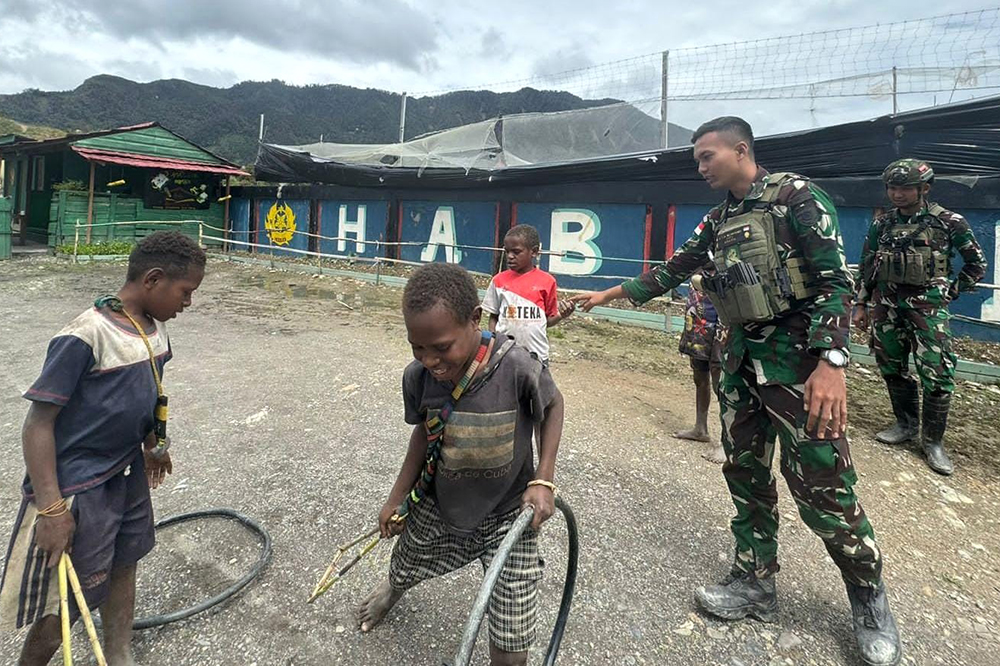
(605, 230)
(467, 223)
(239, 220)
(299, 241)
(615, 230)
(375, 217)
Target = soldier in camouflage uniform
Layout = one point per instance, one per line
(784, 289)
(906, 281)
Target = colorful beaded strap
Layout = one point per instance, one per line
(434, 428)
(160, 412)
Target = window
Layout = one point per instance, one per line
(38, 174)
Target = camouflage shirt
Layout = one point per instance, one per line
(957, 235)
(782, 351)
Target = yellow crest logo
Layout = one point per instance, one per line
(280, 223)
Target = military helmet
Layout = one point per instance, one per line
(908, 172)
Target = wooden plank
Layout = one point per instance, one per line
(90, 202)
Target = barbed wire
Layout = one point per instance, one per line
(941, 54)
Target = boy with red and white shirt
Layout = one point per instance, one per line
(522, 300)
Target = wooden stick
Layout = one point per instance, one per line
(330, 577)
(81, 602)
(67, 649)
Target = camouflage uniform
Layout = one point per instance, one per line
(906, 279)
(765, 367)
(909, 318)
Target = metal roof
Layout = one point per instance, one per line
(152, 162)
(149, 142)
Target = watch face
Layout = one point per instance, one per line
(836, 357)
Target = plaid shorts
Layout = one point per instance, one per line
(427, 549)
(114, 528)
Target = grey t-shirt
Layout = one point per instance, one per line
(486, 457)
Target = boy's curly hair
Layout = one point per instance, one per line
(172, 251)
(449, 284)
(527, 234)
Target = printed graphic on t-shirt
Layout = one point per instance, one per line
(477, 444)
(523, 303)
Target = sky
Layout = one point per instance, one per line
(402, 45)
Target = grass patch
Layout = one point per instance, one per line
(102, 248)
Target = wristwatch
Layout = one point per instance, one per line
(838, 358)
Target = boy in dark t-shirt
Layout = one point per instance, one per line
(91, 453)
(485, 473)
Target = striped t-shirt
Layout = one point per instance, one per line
(486, 457)
(97, 369)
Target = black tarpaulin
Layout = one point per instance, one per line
(958, 140)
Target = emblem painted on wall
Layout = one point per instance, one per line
(280, 223)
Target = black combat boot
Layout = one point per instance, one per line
(905, 398)
(740, 595)
(874, 627)
(936, 407)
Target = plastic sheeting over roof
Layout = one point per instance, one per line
(959, 140)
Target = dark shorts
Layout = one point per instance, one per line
(114, 528)
(702, 365)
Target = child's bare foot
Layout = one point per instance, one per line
(373, 609)
(693, 434)
(715, 455)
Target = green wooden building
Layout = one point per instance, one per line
(143, 173)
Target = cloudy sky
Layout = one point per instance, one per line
(392, 44)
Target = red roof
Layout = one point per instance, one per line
(152, 162)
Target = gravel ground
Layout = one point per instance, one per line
(285, 405)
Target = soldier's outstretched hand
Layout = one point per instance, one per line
(591, 299)
(826, 402)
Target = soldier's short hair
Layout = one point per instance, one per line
(734, 125)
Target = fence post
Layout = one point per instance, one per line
(895, 104)
(76, 240)
(664, 98)
(378, 261)
(201, 234)
(402, 117)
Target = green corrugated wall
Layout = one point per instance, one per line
(5, 206)
(69, 207)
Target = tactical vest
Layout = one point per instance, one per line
(753, 283)
(906, 254)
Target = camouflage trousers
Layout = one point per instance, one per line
(819, 474)
(917, 325)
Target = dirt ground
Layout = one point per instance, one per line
(285, 405)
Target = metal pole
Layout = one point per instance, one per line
(402, 117)
(378, 261)
(895, 106)
(260, 134)
(76, 241)
(664, 70)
